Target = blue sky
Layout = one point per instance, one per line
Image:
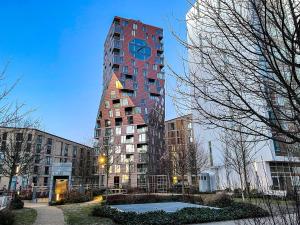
(56, 48)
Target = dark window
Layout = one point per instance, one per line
(3, 145)
(19, 137)
(49, 147)
(29, 137)
(130, 119)
(40, 139)
(35, 169)
(34, 180)
(28, 147)
(37, 159)
(66, 150)
(4, 136)
(118, 121)
(38, 148)
(46, 170)
(74, 151)
(49, 141)
(45, 181)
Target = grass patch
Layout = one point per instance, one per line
(80, 214)
(24, 216)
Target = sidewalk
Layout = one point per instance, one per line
(47, 215)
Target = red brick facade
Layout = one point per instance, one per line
(130, 119)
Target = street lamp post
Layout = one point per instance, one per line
(102, 161)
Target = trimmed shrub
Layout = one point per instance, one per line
(16, 203)
(220, 200)
(76, 197)
(6, 217)
(151, 198)
(183, 216)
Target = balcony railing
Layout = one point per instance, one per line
(159, 60)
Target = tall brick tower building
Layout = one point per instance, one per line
(130, 120)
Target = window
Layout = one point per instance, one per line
(116, 103)
(38, 148)
(117, 112)
(113, 94)
(117, 149)
(49, 148)
(19, 137)
(137, 110)
(123, 139)
(35, 169)
(106, 103)
(130, 119)
(123, 157)
(118, 130)
(39, 139)
(144, 29)
(125, 69)
(133, 33)
(129, 129)
(135, 71)
(29, 137)
(129, 148)
(47, 170)
(37, 159)
(142, 137)
(134, 26)
(145, 73)
(74, 151)
(110, 113)
(133, 63)
(155, 67)
(4, 136)
(48, 160)
(118, 121)
(66, 150)
(125, 179)
(142, 128)
(124, 101)
(124, 23)
(28, 147)
(107, 123)
(129, 138)
(45, 181)
(146, 65)
(117, 168)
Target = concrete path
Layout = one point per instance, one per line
(47, 215)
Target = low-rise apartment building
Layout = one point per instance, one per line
(48, 149)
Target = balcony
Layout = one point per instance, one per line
(160, 48)
(161, 75)
(159, 60)
(117, 30)
(117, 60)
(116, 45)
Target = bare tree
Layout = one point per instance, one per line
(239, 154)
(198, 158)
(16, 149)
(244, 63)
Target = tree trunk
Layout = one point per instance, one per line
(9, 182)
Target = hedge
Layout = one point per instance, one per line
(6, 217)
(151, 198)
(183, 216)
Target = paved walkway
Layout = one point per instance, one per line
(47, 215)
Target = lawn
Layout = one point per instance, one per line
(80, 214)
(24, 216)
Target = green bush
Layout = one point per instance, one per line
(6, 217)
(150, 198)
(16, 203)
(183, 216)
